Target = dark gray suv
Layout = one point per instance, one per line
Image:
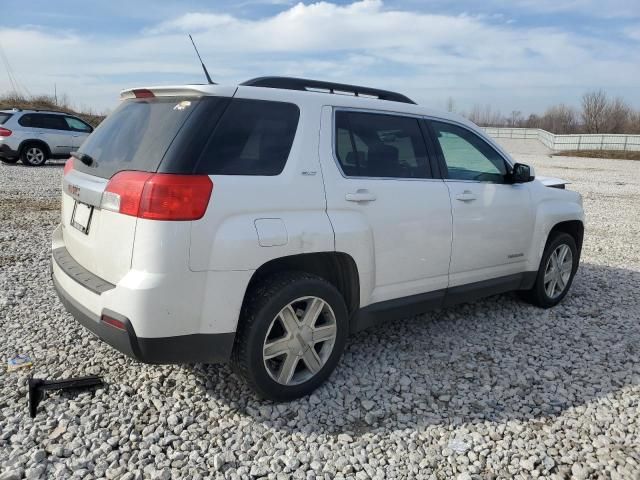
(34, 136)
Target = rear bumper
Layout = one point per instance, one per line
(7, 152)
(195, 348)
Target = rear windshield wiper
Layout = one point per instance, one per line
(83, 157)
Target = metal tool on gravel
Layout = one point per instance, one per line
(37, 387)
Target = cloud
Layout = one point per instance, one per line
(586, 8)
(475, 59)
(633, 33)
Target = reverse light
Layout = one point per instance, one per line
(158, 196)
(5, 132)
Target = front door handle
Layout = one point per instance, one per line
(466, 196)
(361, 195)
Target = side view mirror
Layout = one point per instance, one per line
(521, 173)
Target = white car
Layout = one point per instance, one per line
(263, 223)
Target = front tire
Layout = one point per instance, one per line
(293, 328)
(9, 161)
(557, 268)
(33, 155)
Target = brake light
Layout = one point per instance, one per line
(68, 166)
(5, 132)
(158, 196)
(143, 93)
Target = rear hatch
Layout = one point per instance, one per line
(148, 134)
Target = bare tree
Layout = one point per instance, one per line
(560, 119)
(594, 111)
(533, 121)
(486, 116)
(515, 119)
(633, 126)
(618, 114)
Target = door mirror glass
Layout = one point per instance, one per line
(521, 173)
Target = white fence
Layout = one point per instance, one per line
(570, 142)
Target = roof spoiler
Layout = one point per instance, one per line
(179, 91)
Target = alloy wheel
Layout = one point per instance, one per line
(35, 156)
(557, 272)
(299, 340)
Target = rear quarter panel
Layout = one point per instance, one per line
(226, 238)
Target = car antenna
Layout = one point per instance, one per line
(211, 82)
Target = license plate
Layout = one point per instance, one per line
(81, 217)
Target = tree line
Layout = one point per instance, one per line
(598, 113)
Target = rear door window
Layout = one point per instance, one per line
(50, 122)
(380, 146)
(253, 137)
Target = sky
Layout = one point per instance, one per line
(523, 55)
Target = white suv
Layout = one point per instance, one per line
(264, 223)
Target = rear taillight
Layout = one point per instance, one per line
(158, 196)
(68, 166)
(5, 132)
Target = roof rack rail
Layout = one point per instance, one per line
(48, 110)
(291, 83)
(44, 110)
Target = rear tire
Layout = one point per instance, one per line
(33, 155)
(292, 331)
(557, 268)
(9, 161)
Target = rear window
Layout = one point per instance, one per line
(136, 135)
(253, 137)
(4, 117)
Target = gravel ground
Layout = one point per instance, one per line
(493, 389)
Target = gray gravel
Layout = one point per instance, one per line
(493, 389)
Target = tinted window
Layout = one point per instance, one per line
(136, 135)
(25, 120)
(253, 137)
(467, 156)
(380, 145)
(4, 117)
(77, 124)
(51, 122)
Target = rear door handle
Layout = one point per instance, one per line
(466, 196)
(361, 195)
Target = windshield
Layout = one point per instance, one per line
(136, 135)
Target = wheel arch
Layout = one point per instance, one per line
(575, 228)
(34, 141)
(337, 268)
